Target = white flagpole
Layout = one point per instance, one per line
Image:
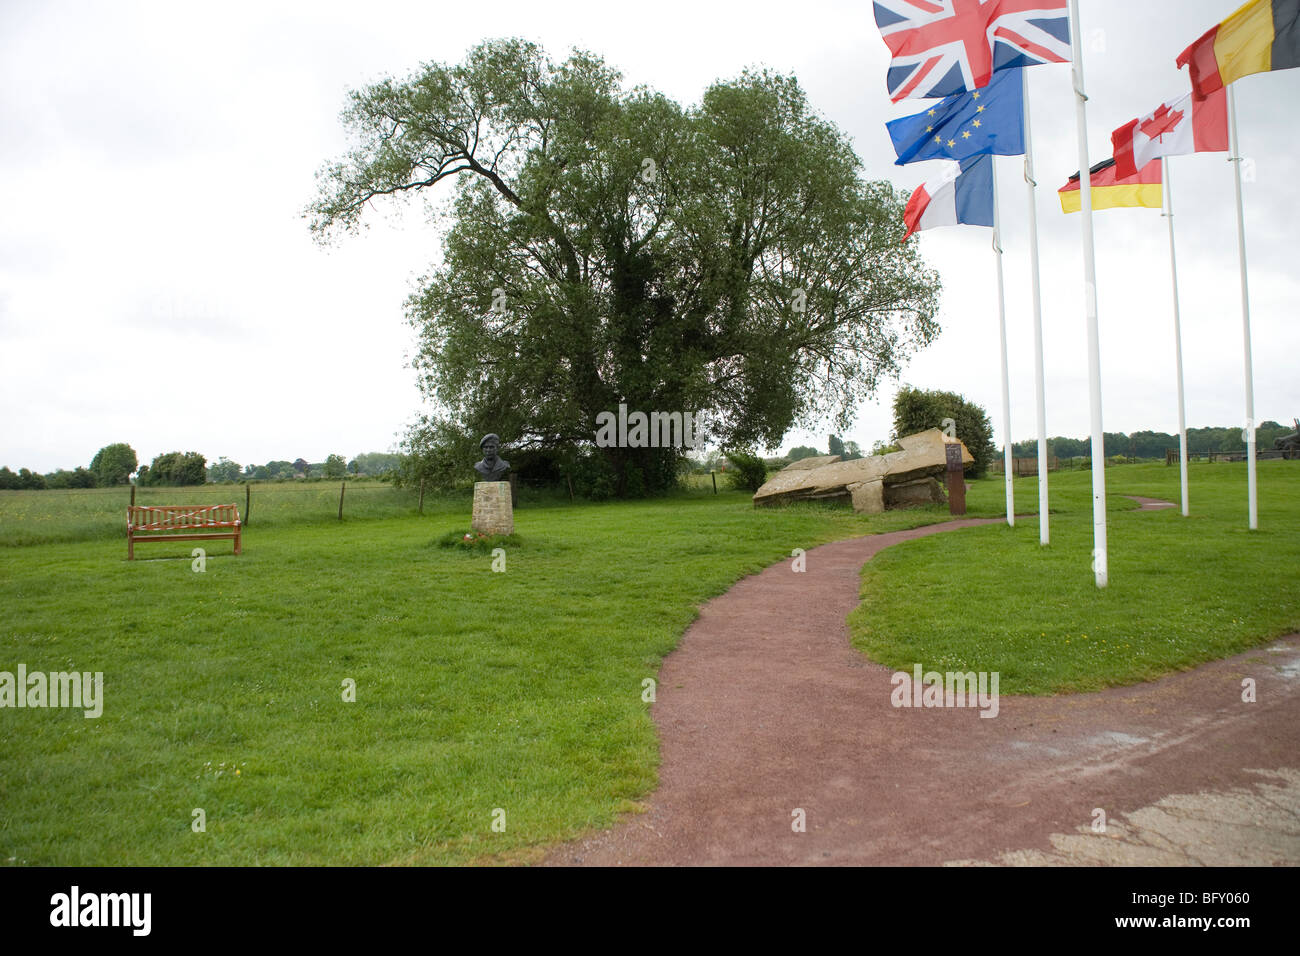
(1235, 159)
(1043, 535)
(1099, 554)
(1002, 329)
(1178, 335)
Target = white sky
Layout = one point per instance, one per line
(158, 285)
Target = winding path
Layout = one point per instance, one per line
(765, 709)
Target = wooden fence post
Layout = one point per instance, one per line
(715, 481)
(570, 482)
(342, 488)
(248, 501)
(132, 495)
(421, 496)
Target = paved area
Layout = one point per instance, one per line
(1244, 826)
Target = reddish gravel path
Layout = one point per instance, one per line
(765, 707)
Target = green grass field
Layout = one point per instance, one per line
(518, 691)
(475, 690)
(1182, 590)
(47, 517)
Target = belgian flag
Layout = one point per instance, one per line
(1263, 35)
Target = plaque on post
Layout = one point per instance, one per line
(956, 480)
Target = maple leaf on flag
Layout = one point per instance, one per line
(1163, 120)
(1180, 125)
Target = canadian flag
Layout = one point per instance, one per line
(1177, 126)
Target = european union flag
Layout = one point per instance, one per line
(987, 120)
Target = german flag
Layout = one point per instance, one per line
(1109, 191)
(1263, 35)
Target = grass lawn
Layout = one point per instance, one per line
(1182, 590)
(475, 690)
(46, 517)
(522, 691)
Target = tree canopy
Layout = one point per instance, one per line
(375, 463)
(224, 471)
(113, 464)
(606, 246)
(802, 451)
(916, 410)
(174, 468)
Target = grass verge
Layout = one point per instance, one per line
(1182, 591)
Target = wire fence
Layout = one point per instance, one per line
(1027, 466)
(39, 517)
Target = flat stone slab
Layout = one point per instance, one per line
(922, 456)
(804, 464)
(868, 496)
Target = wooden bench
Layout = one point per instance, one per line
(181, 523)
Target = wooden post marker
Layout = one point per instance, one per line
(956, 481)
(342, 488)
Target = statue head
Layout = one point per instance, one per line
(489, 446)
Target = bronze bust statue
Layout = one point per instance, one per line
(491, 468)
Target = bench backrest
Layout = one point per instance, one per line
(181, 517)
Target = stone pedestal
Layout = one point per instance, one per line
(909, 494)
(493, 513)
(868, 496)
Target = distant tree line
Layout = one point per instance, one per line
(112, 465)
(372, 464)
(1149, 444)
(115, 464)
(24, 479)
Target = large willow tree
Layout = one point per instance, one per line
(607, 246)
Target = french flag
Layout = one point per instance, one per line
(963, 195)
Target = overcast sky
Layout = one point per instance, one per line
(158, 285)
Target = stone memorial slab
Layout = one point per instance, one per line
(866, 483)
(493, 513)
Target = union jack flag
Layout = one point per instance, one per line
(942, 47)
